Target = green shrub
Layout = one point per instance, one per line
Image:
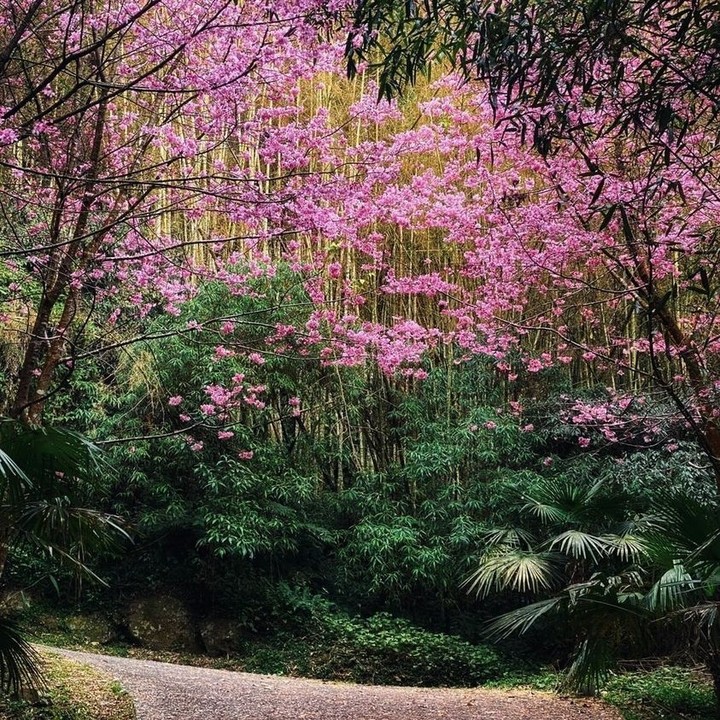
(390, 651)
(319, 640)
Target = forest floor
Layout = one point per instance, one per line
(162, 691)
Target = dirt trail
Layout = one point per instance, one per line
(178, 692)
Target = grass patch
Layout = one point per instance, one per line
(671, 693)
(540, 679)
(74, 692)
(668, 693)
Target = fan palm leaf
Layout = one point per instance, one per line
(680, 526)
(517, 570)
(18, 660)
(580, 545)
(69, 533)
(568, 501)
(39, 470)
(675, 589)
(45, 453)
(626, 547)
(520, 620)
(508, 537)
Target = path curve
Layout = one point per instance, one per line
(178, 692)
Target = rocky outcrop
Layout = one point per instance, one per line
(93, 629)
(162, 622)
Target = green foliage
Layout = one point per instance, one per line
(643, 474)
(390, 651)
(609, 574)
(319, 640)
(569, 545)
(40, 469)
(669, 692)
(382, 496)
(18, 659)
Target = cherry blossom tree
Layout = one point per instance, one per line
(620, 103)
(150, 148)
(123, 126)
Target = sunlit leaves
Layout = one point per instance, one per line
(516, 570)
(580, 545)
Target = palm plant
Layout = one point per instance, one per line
(574, 526)
(42, 472)
(683, 535)
(580, 554)
(610, 577)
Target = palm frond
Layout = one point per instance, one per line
(672, 591)
(573, 502)
(627, 547)
(544, 511)
(508, 537)
(69, 533)
(581, 545)
(10, 469)
(15, 485)
(520, 620)
(19, 662)
(682, 527)
(517, 570)
(628, 588)
(46, 454)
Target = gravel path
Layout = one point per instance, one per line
(174, 692)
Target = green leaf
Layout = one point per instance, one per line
(517, 570)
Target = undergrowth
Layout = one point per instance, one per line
(672, 693)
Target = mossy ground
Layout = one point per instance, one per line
(73, 692)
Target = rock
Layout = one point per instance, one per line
(93, 629)
(220, 636)
(162, 623)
